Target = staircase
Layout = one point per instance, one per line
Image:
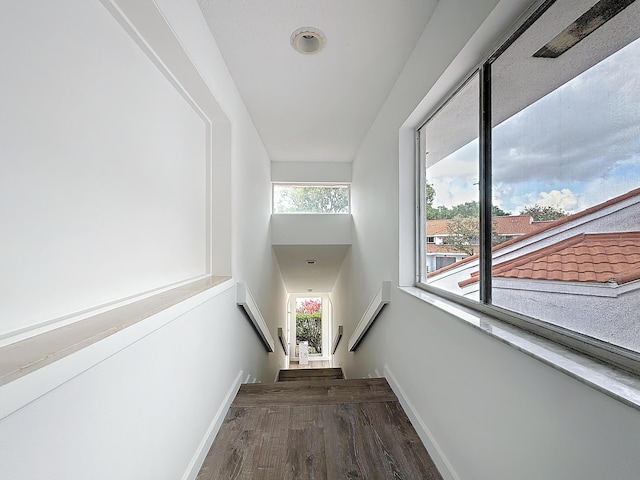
(314, 424)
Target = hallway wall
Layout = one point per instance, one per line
(252, 258)
(149, 409)
(486, 410)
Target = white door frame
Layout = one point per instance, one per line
(327, 321)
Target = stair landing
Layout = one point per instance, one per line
(317, 429)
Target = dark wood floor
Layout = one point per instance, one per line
(317, 429)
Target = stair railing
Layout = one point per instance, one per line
(381, 298)
(246, 301)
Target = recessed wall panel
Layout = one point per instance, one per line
(103, 166)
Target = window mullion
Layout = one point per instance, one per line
(485, 184)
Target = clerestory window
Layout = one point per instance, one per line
(311, 198)
(531, 172)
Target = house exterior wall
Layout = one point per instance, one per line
(485, 410)
(606, 311)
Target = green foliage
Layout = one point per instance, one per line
(313, 199)
(464, 234)
(541, 213)
(309, 323)
(309, 328)
(463, 227)
(430, 194)
(464, 210)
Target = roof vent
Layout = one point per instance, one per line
(308, 40)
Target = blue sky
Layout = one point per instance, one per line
(574, 148)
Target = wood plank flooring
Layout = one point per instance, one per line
(317, 429)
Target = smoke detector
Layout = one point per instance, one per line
(308, 40)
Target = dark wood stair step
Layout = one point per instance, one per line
(326, 392)
(302, 374)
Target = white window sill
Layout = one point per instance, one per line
(607, 379)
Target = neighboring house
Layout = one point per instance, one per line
(581, 272)
(440, 254)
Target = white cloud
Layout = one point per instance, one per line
(564, 199)
(582, 131)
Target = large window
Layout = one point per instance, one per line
(290, 198)
(540, 205)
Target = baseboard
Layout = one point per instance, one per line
(445, 468)
(205, 445)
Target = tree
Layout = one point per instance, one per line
(429, 194)
(463, 234)
(541, 213)
(466, 210)
(309, 323)
(313, 199)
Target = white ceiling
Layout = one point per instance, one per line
(315, 107)
(299, 277)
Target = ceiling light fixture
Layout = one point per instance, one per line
(308, 40)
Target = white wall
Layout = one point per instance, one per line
(103, 181)
(490, 411)
(310, 229)
(321, 172)
(253, 260)
(143, 412)
(117, 189)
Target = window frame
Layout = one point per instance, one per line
(593, 347)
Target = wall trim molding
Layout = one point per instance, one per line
(147, 25)
(205, 444)
(432, 446)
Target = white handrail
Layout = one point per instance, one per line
(246, 301)
(381, 298)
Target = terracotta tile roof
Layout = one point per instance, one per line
(599, 258)
(546, 226)
(515, 224)
(437, 227)
(505, 225)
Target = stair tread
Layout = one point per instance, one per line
(301, 392)
(314, 372)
